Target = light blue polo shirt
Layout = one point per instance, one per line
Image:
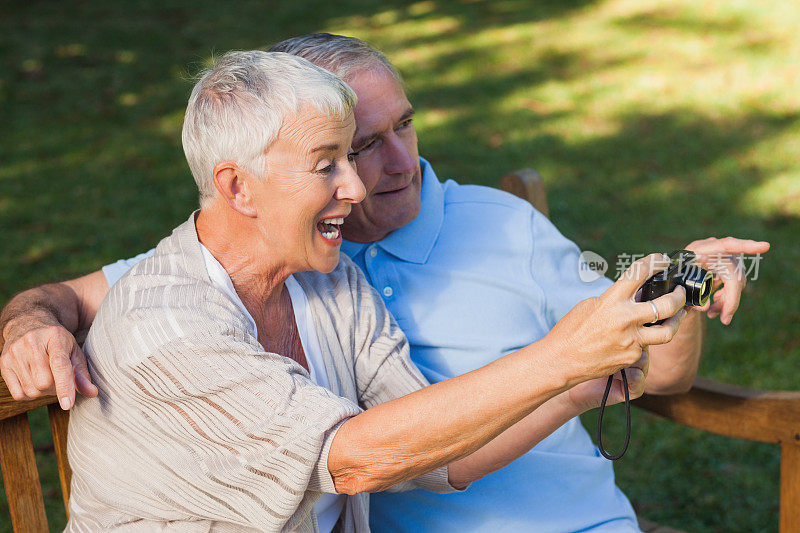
(478, 274)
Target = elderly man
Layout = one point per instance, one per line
(434, 251)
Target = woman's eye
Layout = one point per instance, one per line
(352, 156)
(328, 169)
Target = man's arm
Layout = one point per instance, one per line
(40, 354)
(674, 365)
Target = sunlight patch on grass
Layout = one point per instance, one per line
(779, 195)
(41, 248)
(170, 124)
(433, 117)
(128, 99)
(125, 57)
(71, 50)
(385, 18)
(19, 168)
(422, 8)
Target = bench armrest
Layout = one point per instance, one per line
(724, 409)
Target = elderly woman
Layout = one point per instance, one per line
(251, 379)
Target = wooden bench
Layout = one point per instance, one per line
(762, 416)
(20, 475)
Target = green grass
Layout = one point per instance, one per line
(653, 123)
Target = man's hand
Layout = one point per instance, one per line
(40, 354)
(723, 257)
(40, 357)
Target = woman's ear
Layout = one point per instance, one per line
(233, 185)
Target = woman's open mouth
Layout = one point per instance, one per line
(330, 228)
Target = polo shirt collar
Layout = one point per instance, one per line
(414, 241)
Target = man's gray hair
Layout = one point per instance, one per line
(341, 55)
(238, 106)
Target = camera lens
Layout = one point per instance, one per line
(698, 284)
(705, 291)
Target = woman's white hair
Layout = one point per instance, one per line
(238, 106)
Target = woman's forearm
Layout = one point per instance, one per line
(514, 441)
(410, 436)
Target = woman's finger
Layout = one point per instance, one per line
(721, 304)
(662, 333)
(636, 385)
(636, 274)
(666, 305)
(728, 245)
(636, 382)
(732, 245)
(719, 301)
(643, 363)
(729, 296)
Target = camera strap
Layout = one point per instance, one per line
(627, 418)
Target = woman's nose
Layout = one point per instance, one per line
(352, 188)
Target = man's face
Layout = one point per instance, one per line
(387, 160)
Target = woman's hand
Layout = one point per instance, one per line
(723, 257)
(603, 335)
(589, 394)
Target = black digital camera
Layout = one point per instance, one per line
(682, 270)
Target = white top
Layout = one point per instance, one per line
(329, 506)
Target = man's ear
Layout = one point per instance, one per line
(233, 185)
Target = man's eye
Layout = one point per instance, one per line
(352, 156)
(369, 146)
(406, 123)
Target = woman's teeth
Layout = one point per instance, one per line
(329, 228)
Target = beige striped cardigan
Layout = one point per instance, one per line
(197, 428)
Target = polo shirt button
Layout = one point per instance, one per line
(387, 291)
(373, 252)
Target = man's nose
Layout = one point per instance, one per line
(398, 158)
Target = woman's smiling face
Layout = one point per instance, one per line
(310, 185)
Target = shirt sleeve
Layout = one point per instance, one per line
(225, 430)
(560, 271)
(116, 270)
(384, 369)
